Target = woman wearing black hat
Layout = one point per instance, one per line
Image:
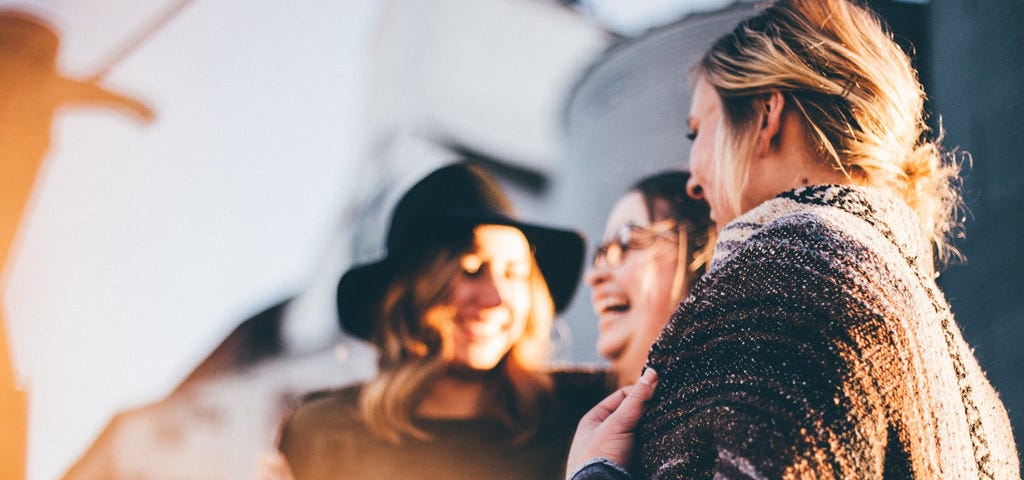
(461, 311)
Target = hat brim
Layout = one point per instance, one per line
(558, 253)
(360, 290)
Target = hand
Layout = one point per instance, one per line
(607, 429)
(271, 465)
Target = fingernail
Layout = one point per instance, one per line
(649, 377)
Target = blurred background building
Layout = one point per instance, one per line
(285, 133)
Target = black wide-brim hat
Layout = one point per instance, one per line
(441, 210)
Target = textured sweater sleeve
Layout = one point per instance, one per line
(601, 469)
(760, 368)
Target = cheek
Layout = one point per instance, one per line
(696, 166)
(460, 291)
(699, 157)
(629, 275)
(519, 302)
(702, 171)
(653, 289)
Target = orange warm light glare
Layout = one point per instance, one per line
(26, 109)
(23, 144)
(32, 89)
(13, 417)
(17, 175)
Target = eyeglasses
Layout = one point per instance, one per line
(632, 237)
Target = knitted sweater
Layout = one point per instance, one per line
(819, 346)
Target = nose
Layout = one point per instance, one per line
(596, 275)
(694, 190)
(487, 291)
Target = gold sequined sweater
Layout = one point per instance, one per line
(819, 346)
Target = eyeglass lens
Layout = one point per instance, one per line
(629, 236)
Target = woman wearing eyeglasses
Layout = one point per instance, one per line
(657, 242)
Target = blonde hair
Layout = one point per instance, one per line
(413, 354)
(857, 93)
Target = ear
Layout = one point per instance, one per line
(771, 106)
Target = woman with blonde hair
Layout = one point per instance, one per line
(818, 345)
(461, 310)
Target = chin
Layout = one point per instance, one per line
(612, 343)
(480, 361)
(606, 351)
(611, 352)
(480, 366)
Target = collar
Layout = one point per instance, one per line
(888, 215)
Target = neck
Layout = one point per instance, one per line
(790, 163)
(818, 175)
(454, 396)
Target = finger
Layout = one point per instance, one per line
(644, 388)
(631, 407)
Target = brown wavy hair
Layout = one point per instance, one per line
(665, 198)
(859, 97)
(414, 353)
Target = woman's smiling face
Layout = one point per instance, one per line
(490, 299)
(633, 298)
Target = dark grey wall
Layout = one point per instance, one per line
(626, 119)
(976, 76)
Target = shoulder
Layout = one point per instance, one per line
(346, 394)
(325, 410)
(326, 435)
(806, 272)
(805, 230)
(824, 224)
(793, 278)
(811, 247)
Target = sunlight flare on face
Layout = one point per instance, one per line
(707, 180)
(490, 299)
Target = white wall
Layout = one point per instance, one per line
(147, 243)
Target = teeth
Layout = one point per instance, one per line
(482, 329)
(608, 303)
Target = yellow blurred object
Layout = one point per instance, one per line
(32, 91)
(13, 415)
